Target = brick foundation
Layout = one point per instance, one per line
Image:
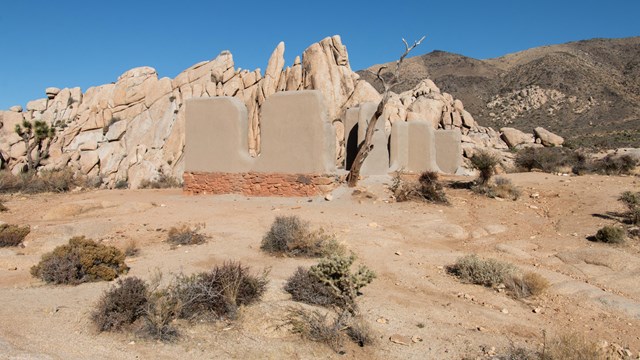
(258, 184)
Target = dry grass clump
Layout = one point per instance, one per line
(131, 249)
(161, 182)
(185, 235)
(13, 235)
(217, 293)
(490, 273)
(160, 312)
(500, 188)
(428, 188)
(551, 159)
(81, 260)
(316, 326)
(329, 328)
(529, 284)
(610, 234)
(121, 305)
(291, 236)
(571, 347)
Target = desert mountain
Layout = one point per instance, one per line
(586, 91)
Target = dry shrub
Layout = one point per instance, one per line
(529, 284)
(291, 236)
(632, 201)
(45, 181)
(306, 288)
(571, 347)
(330, 282)
(501, 188)
(615, 165)
(131, 249)
(488, 273)
(184, 235)
(485, 162)
(3, 208)
(551, 159)
(519, 353)
(316, 326)
(217, 293)
(121, 305)
(360, 332)
(13, 235)
(161, 182)
(428, 188)
(160, 311)
(81, 260)
(610, 234)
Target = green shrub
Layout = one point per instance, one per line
(428, 188)
(81, 260)
(13, 235)
(184, 235)
(488, 273)
(217, 293)
(121, 305)
(291, 236)
(485, 162)
(610, 234)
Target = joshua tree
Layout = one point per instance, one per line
(34, 136)
(367, 146)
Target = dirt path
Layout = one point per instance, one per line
(594, 286)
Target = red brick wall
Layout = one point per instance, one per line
(258, 184)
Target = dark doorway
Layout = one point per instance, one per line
(352, 147)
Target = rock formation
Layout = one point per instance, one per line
(133, 129)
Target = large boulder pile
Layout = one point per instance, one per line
(133, 130)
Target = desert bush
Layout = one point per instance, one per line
(570, 347)
(121, 184)
(529, 284)
(488, 273)
(31, 182)
(131, 249)
(81, 260)
(335, 273)
(500, 188)
(159, 313)
(485, 162)
(217, 293)
(610, 234)
(518, 353)
(318, 327)
(428, 188)
(632, 201)
(161, 182)
(3, 208)
(185, 235)
(550, 159)
(360, 332)
(13, 235)
(121, 305)
(291, 236)
(308, 289)
(615, 165)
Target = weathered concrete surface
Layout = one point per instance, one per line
(448, 148)
(413, 147)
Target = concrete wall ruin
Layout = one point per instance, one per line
(298, 145)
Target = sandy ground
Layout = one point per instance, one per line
(595, 288)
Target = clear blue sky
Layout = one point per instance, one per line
(86, 43)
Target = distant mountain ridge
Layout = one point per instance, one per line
(587, 91)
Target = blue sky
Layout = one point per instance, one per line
(86, 43)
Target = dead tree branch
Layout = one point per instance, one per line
(366, 146)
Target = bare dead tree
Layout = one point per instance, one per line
(366, 146)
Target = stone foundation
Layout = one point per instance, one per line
(258, 184)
